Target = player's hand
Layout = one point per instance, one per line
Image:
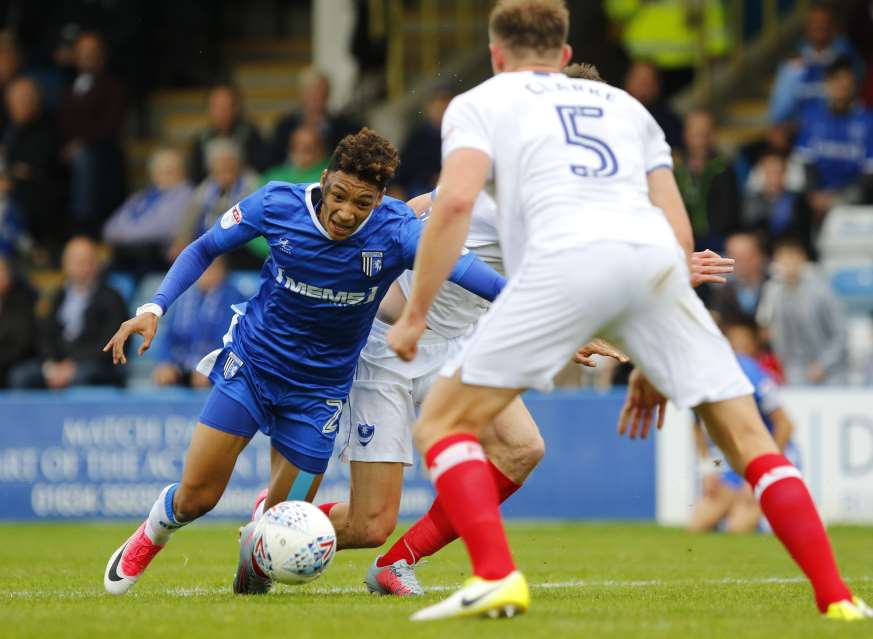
(145, 325)
(642, 404)
(404, 335)
(599, 347)
(709, 266)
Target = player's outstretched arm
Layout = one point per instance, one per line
(599, 347)
(463, 176)
(145, 324)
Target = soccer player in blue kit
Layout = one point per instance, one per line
(289, 358)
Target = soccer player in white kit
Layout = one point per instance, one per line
(586, 198)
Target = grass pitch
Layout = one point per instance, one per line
(588, 580)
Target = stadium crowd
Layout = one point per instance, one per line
(65, 206)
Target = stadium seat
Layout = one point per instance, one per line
(853, 282)
(847, 233)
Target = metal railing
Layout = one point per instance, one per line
(414, 34)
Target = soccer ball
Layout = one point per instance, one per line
(294, 542)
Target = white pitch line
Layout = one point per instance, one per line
(350, 590)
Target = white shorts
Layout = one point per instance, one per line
(376, 425)
(637, 296)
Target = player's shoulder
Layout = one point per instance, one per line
(279, 192)
(389, 217)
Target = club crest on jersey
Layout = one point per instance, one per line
(231, 365)
(365, 433)
(371, 262)
(285, 245)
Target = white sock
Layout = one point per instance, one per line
(162, 523)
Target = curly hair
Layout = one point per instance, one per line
(366, 155)
(582, 71)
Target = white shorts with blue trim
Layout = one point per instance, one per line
(376, 425)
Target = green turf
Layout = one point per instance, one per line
(630, 581)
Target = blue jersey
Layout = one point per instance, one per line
(318, 296)
(767, 395)
(838, 146)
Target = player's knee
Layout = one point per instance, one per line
(193, 503)
(372, 531)
(532, 452)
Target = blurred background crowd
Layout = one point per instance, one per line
(127, 128)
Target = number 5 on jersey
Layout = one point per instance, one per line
(331, 424)
(605, 165)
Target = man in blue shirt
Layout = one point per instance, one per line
(289, 358)
(835, 142)
(726, 497)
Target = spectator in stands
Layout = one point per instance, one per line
(17, 321)
(799, 81)
(420, 156)
(228, 182)
(835, 143)
(15, 243)
(306, 158)
(643, 81)
(31, 149)
(10, 67)
(227, 120)
(314, 97)
(82, 317)
(194, 327)
(144, 227)
(775, 209)
(737, 300)
(805, 321)
(708, 184)
(92, 115)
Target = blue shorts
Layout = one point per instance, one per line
(301, 422)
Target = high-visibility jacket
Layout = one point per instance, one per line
(661, 30)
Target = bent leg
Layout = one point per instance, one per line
(744, 515)
(737, 429)
(714, 505)
(370, 515)
(208, 466)
(287, 481)
(513, 442)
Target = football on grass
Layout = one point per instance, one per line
(294, 542)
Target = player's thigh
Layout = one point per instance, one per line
(224, 429)
(513, 441)
(553, 305)
(455, 407)
(288, 481)
(671, 336)
(377, 423)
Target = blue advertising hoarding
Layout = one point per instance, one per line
(96, 454)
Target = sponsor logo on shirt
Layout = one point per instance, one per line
(232, 217)
(338, 298)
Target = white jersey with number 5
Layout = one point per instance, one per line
(570, 161)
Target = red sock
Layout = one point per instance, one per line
(433, 531)
(466, 489)
(789, 508)
(325, 508)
